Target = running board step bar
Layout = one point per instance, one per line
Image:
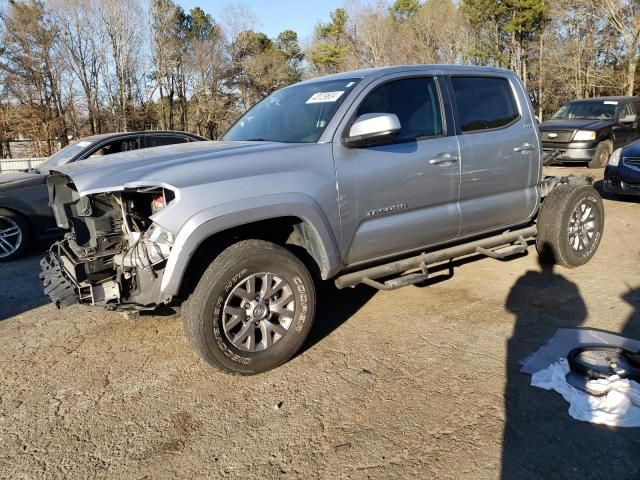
(499, 246)
(520, 246)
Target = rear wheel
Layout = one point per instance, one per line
(601, 157)
(570, 225)
(14, 235)
(252, 309)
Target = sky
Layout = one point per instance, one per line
(274, 16)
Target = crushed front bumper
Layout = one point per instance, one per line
(57, 282)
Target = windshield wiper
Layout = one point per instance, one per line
(257, 139)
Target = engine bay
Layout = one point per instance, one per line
(113, 253)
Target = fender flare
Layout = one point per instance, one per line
(223, 217)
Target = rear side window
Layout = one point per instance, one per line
(414, 100)
(160, 140)
(484, 103)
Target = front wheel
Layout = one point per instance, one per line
(252, 309)
(570, 225)
(14, 235)
(601, 157)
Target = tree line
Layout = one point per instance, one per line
(71, 68)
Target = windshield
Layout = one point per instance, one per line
(297, 114)
(600, 110)
(63, 156)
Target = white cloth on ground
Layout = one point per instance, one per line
(618, 405)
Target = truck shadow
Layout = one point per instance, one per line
(540, 439)
(20, 287)
(335, 307)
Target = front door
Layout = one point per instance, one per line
(402, 195)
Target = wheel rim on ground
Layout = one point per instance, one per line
(258, 312)
(582, 227)
(10, 237)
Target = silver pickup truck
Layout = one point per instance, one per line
(367, 177)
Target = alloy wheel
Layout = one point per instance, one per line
(10, 237)
(258, 312)
(582, 227)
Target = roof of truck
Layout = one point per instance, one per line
(381, 71)
(605, 99)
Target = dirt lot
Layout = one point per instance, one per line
(418, 383)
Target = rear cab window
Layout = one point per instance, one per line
(484, 103)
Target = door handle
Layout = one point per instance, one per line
(443, 159)
(525, 147)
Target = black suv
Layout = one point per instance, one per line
(590, 130)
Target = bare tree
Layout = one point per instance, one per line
(82, 42)
(122, 21)
(624, 18)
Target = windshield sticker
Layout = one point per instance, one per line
(84, 143)
(325, 97)
(610, 102)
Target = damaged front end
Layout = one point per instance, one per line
(114, 255)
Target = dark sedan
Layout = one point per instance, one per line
(25, 216)
(622, 175)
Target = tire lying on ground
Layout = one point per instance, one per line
(252, 309)
(570, 225)
(601, 157)
(14, 235)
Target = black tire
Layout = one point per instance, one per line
(205, 311)
(555, 230)
(601, 157)
(8, 219)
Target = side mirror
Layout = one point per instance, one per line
(373, 129)
(630, 118)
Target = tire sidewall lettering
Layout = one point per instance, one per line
(301, 315)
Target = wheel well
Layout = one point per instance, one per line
(294, 233)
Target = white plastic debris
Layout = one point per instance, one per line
(617, 403)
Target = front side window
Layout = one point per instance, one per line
(416, 103)
(626, 111)
(297, 114)
(484, 103)
(117, 146)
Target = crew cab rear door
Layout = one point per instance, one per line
(500, 151)
(401, 195)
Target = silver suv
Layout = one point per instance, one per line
(363, 177)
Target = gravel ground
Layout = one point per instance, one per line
(417, 383)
